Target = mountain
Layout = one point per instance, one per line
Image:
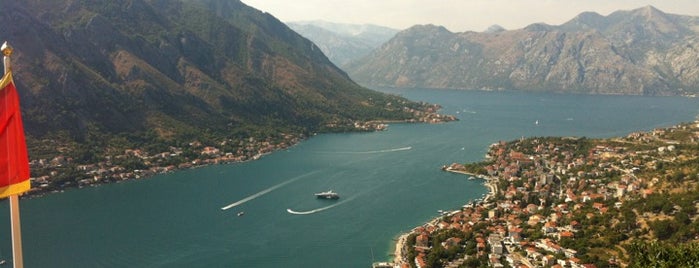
(107, 74)
(641, 52)
(343, 43)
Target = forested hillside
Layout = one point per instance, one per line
(166, 72)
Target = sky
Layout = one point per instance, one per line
(456, 15)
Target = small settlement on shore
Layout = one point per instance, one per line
(566, 202)
(60, 172)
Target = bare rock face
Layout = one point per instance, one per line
(639, 52)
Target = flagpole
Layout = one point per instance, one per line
(17, 260)
(16, 232)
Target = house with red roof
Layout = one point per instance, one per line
(420, 260)
(565, 234)
(422, 240)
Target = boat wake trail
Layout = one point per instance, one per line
(310, 211)
(381, 151)
(317, 209)
(265, 191)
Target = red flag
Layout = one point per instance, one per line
(14, 162)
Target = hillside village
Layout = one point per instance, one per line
(568, 202)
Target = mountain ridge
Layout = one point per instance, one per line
(640, 52)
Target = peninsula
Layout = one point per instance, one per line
(572, 202)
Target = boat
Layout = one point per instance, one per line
(241, 213)
(327, 195)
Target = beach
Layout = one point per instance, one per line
(400, 246)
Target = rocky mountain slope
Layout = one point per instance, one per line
(144, 72)
(343, 43)
(643, 52)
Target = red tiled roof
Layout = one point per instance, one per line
(567, 234)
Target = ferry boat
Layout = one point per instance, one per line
(327, 195)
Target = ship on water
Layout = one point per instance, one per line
(327, 195)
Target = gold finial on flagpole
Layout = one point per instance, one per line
(7, 51)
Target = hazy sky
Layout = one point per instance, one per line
(456, 15)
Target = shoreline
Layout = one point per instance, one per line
(105, 172)
(490, 183)
(400, 245)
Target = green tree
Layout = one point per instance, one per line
(663, 229)
(657, 254)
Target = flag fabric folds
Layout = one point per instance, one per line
(14, 161)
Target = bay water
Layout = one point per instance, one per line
(389, 182)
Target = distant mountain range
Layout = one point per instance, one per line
(343, 43)
(145, 72)
(642, 52)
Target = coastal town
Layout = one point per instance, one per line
(567, 202)
(138, 164)
(62, 171)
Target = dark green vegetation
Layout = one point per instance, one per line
(97, 77)
(664, 255)
(641, 52)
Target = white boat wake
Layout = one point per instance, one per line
(381, 151)
(265, 191)
(317, 209)
(310, 211)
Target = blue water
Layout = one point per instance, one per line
(389, 182)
